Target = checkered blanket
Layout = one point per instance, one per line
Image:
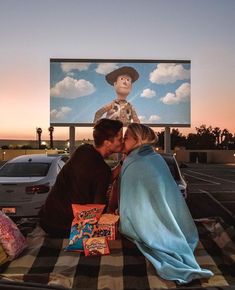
(46, 263)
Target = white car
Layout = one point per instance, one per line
(25, 182)
(176, 173)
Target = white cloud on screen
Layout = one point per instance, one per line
(182, 94)
(169, 73)
(151, 119)
(148, 93)
(105, 68)
(154, 118)
(59, 114)
(71, 88)
(68, 66)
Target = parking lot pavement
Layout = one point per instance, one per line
(211, 190)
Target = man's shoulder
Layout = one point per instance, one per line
(91, 156)
(85, 147)
(88, 151)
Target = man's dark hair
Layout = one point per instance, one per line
(105, 129)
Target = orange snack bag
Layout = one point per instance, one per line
(87, 212)
(84, 224)
(107, 226)
(96, 246)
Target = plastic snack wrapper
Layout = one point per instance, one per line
(107, 226)
(84, 224)
(96, 246)
(3, 256)
(11, 239)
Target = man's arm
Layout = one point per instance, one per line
(100, 186)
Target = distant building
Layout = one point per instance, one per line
(33, 144)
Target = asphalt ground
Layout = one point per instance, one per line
(211, 190)
(1, 163)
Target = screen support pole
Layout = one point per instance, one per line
(167, 140)
(71, 140)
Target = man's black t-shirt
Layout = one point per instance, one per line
(83, 179)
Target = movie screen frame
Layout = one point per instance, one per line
(158, 93)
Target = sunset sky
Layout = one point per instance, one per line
(32, 32)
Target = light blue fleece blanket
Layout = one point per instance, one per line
(154, 215)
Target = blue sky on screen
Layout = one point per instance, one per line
(160, 96)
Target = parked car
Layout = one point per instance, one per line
(176, 173)
(25, 182)
(174, 168)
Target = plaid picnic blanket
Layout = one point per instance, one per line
(46, 263)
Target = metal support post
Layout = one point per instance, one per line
(167, 140)
(71, 140)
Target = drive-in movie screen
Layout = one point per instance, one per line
(156, 92)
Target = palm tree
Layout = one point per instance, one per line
(217, 133)
(51, 130)
(39, 132)
(226, 137)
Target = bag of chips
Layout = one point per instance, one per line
(107, 226)
(11, 239)
(3, 256)
(96, 246)
(84, 224)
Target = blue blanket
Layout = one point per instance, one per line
(154, 215)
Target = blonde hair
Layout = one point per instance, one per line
(142, 133)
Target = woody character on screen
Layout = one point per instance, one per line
(119, 109)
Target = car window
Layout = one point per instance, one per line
(65, 158)
(60, 164)
(24, 169)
